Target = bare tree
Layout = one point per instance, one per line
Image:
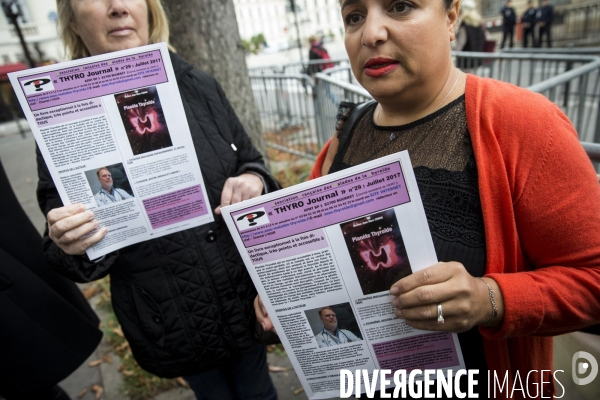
(205, 33)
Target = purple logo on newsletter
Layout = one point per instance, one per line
(37, 85)
(252, 219)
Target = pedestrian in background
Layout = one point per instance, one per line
(317, 52)
(509, 19)
(545, 17)
(528, 24)
(470, 35)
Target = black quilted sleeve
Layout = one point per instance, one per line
(249, 159)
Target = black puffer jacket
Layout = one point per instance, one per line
(184, 300)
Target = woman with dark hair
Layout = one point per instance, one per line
(517, 236)
(184, 300)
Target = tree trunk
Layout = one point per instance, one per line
(205, 33)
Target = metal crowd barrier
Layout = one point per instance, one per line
(592, 150)
(295, 67)
(299, 114)
(329, 93)
(588, 51)
(286, 106)
(569, 80)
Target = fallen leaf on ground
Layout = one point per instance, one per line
(122, 346)
(91, 291)
(82, 393)
(299, 390)
(126, 372)
(97, 389)
(95, 363)
(106, 358)
(118, 331)
(183, 382)
(273, 368)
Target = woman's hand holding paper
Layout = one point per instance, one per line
(67, 225)
(465, 300)
(262, 316)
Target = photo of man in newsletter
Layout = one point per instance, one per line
(377, 251)
(329, 330)
(109, 184)
(144, 120)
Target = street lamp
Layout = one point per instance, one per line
(293, 8)
(12, 10)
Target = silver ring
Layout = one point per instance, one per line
(440, 315)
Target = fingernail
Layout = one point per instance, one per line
(90, 215)
(394, 291)
(263, 325)
(398, 313)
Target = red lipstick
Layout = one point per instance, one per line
(380, 66)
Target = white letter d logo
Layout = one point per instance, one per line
(582, 367)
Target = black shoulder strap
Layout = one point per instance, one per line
(355, 115)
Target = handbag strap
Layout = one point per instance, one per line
(355, 115)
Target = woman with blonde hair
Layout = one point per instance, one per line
(184, 300)
(470, 36)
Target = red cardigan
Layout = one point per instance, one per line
(541, 208)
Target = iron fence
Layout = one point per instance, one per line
(576, 92)
(592, 150)
(286, 107)
(330, 92)
(299, 114)
(572, 81)
(295, 67)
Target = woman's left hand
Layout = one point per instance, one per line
(465, 299)
(239, 188)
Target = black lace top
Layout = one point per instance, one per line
(442, 156)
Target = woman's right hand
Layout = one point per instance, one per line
(262, 316)
(67, 225)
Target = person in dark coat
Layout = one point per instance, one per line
(528, 24)
(509, 19)
(545, 18)
(184, 300)
(47, 327)
(470, 36)
(317, 52)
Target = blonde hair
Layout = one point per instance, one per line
(472, 18)
(74, 46)
(469, 14)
